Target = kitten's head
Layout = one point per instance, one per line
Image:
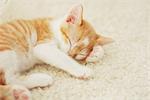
(81, 34)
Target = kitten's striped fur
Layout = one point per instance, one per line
(19, 34)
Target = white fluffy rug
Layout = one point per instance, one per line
(123, 73)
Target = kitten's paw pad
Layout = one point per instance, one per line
(39, 80)
(84, 73)
(21, 93)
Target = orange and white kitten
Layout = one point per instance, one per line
(58, 42)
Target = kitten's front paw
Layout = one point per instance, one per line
(39, 80)
(83, 73)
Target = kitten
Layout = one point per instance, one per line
(62, 43)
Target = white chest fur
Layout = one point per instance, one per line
(58, 38)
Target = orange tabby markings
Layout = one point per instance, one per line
(42, 29)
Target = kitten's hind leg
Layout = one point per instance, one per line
(12, 65)
(38, 80)
(31, 81)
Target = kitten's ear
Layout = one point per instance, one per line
(104, 40)
(75, 15)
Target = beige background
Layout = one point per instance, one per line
(123, 73)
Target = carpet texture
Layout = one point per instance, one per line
(123, 73)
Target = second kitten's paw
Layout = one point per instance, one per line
(39, 80)
(83, 73)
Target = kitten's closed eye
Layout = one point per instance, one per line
(81, 55)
